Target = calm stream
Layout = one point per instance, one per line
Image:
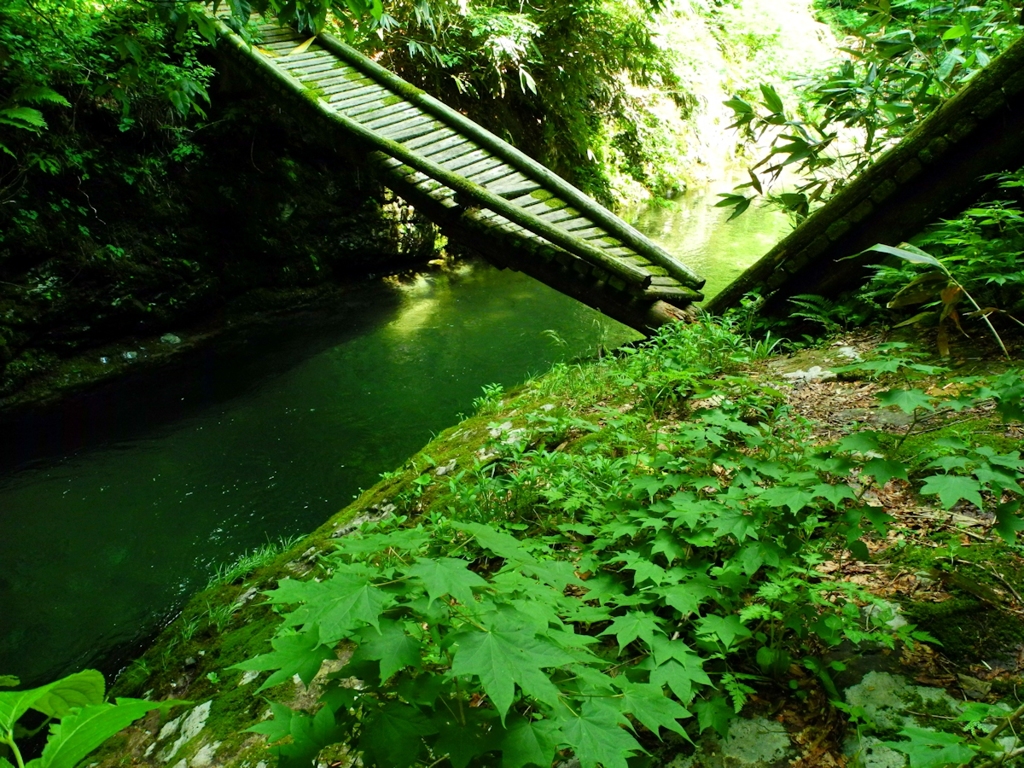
(118, 506)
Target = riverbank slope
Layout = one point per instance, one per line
(695, 528)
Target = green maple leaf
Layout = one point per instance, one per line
(884, 470)
(725, 628)
(787, 496)
(932, 749)
(346, 602)
(951, 488)
(680, 677)
(907, 400)
(642, 567)
(446, 576)
(688, 596)
(733, 521)
(596, 738)
(498, 542)
(393, 735)
(309, 735)
(633, 625)
(462, 741)
(715, 713)
(1008, 521)
(529, 742)
(299, 654)
(860, 442)
(667, 544)
(500, 659)
(390, 645)
(648, 704)
(833, 494)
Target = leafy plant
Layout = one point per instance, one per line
(937, 286)
(605, 579)
(78, 718)
(905, 60)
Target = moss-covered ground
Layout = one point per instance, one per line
(942, 565)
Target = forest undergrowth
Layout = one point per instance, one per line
(649, 546)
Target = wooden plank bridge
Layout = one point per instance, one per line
(481, 191)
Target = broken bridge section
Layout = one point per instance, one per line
(937, 170)
(481, 191)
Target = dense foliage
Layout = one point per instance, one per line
(902, 60)
(645, 553)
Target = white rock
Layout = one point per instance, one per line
(191, 725)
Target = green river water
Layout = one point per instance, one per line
(114, 508)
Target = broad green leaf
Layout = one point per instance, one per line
(596, 738)
(687, 598)
(80, 732)
(446, 576)
(910, 253)
(529, 742)
(735, 522)
(633, 625)
(680, 678)
(5, 763)
(300, 654)
(347, 603)
(390, 645)
(715, 713)
(498, 542)
(728, 629)
(393, 735)
(932, 749)
(884, 470)
(907, 400)
(463, 741)
(9, 681)
(277, 728)
(53, 699)
(648, 704)
(1008, 521)
(787, 496)
(860, 442)
(309, 735)
(500, 659)
(951, 488)
(834, 494)
(956, 32)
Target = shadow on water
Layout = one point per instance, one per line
(126, 499)
(143, 403)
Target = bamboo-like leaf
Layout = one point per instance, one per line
(301, 47)
(909, 253)
(920, 316)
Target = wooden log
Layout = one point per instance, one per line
(516, 158)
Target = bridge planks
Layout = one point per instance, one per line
(534, 199)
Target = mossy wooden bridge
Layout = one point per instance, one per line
(480, 190)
